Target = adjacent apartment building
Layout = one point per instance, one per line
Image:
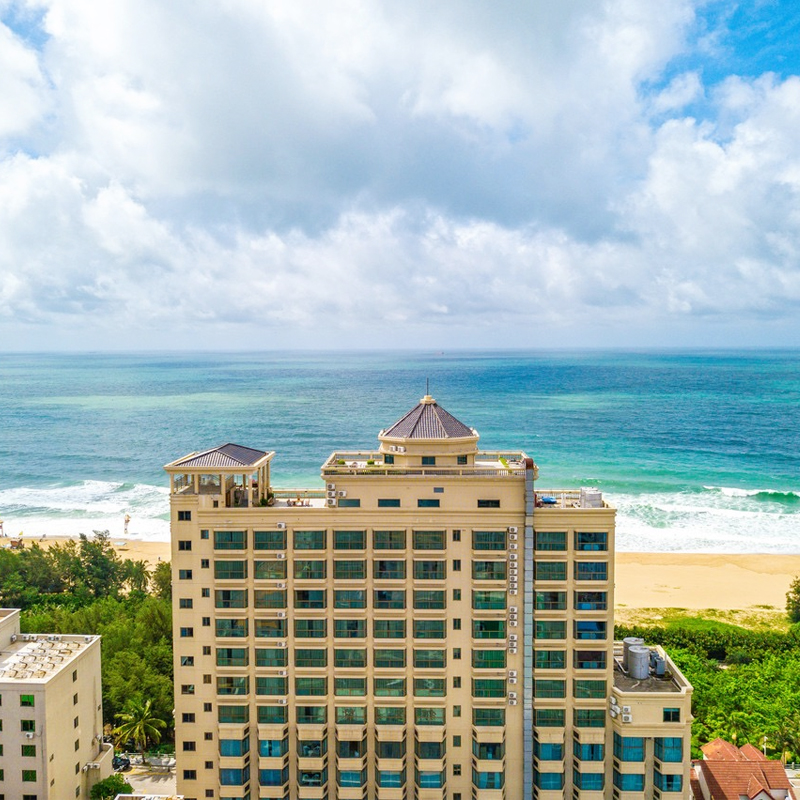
(429, 624)
(51, 714)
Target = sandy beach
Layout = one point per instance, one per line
(643, 580)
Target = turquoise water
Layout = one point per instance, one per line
(699, 451)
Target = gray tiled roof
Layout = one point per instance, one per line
(428, 421)
(226, 455)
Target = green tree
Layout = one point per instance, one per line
(140, 723)
(137, 575)
(161, 580)
(109, 788)
(793, 600)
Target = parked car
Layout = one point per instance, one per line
(121, 763)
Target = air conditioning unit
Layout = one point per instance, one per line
(513, 546)
(512, 617)
(512, 695)
(281, 614)
(393, 448)
(512, 673)
(85, 639)
(331, 493)
(613, 714)
(613, 699)
(512, 583)
(512, 680)
(280, 585)
(626, 709)
(513, 530)
(513, 622)
(283, 673)
(512, 702)
(401, 449)
(33, 637)
(331, 501)
(26, 637)
(512, 609)
(85, 768)
(13, 637)
(283, 701)
(341, 493)
(29, 735)
(280, 644)
(512, 556)
(513, 573)
(627, 717)
(330, 487)
(281, 526)
(513, 637)
(513, 537)
(280, 555)
(512, 650)
(513, 591)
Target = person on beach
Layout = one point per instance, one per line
(127, 520)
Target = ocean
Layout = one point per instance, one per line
(699, 451)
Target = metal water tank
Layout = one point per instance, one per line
(627, 643)
(639, 662)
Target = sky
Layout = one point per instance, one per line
(253, 174)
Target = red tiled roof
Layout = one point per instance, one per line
(720, 750)
(730, 780)
(752, 753)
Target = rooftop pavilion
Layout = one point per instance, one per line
(426, 442)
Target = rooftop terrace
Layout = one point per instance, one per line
(37, 657)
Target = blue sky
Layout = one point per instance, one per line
(370, 174)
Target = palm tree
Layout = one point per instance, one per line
(137, 575)
(139, 723)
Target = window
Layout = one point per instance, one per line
(26, 700)
(547, 751)
(390, 749)
(488, 629)
(269, 570)
(389, 687)
(628, 748)
(310, 598)
(393, 780)
(389, 659)
(184, 516)
(461, 460)
(549, 659)
(269, 540)
(456, 623)
(591, 570)
(591, 601)
(550, 570)
(273, 715)
(672, 715)
(29, 751)
(551, 629)
(184, 574)
(350, 658)
(389, 502)
(266, 598)
(549, 717)
(489, 659)
(184, 545)
(310, 570)
(29, 776)
(185, 602)
(349, 502)
(187, 717)
(429, 629)
(206, 621)
(591, 541)
(273, 748)
(430, 659)
(230, 598)
(349, 540)
(429, 687)
(189, 747)
(349, 598)
(388, 459)
(489, 687)
(27, 725)
(549, 540)
(271, 657)
(588, 781)
(669, 748)
(488, 504)
(489, 540)
(629, 781)
(350, 628)
(310, 686)
(551, 601)
(589, 717)
(233, 656)
(389, 598)
(309, 540)
(488, 751)
(430, 570)
(391, 715)
(589, 659)
(349, 570)
(350, 687)
(384, 570)
(489, 570)
(270, 628)
(487, 600)
(389, 540)
(310, 628)
(312, 715)
(230, 540)
(423, 502)
(429, 716)
(456, 594)
(389, 628)
(549, 688)
(488, 717)
(230, 570)
(233, 686)
(456, 565)
(430, 599)
(590, 629)
(204, 563)
(231, 628)
(428, 461)
(310, 657)
(430, 750)
(204, 534)
(667, 783)
(428, 540)
(585, 688)
(588, 752)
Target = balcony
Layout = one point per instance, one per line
(487, 464)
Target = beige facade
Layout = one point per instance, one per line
(427, 625)
(51, 714)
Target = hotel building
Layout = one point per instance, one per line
(51, 714)
(429, 624)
